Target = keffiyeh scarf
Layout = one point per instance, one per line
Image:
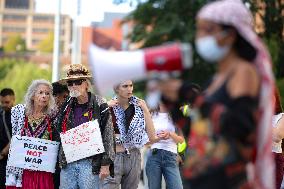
(136, 137)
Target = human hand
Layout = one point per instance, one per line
(164, 135)
(142, 105)
(112, 103)
(104, 172)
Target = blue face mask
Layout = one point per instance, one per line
(208, 48)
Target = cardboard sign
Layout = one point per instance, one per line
(33, 153)
(82, 141)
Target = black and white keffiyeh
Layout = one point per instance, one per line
(14, 174)
(136, 137)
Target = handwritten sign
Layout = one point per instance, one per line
(82, 141)
(33, 153)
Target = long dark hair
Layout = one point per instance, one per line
(278, 107)
(244, 49)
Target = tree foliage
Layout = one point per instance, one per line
(15, 43)
(159, 21)
(46, 45)
(271, 13)
(18, 75)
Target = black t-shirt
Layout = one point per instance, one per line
(129, 113)
(3, 134)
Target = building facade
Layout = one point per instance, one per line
(19, 17)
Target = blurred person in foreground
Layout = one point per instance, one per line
(81, 107)
(32, 119)
(133, 128)
(230, 135)
(277, 137)
(7, 101)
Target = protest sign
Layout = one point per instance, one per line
(33, 153)
(82, 141)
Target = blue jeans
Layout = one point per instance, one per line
(162, 162)
(78, 175)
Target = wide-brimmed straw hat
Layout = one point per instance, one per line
(76, 71)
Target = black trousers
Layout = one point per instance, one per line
(3, 164)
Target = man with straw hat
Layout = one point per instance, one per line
(81, 107)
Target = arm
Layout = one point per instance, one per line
(107, 137)
(112, 103)
(278, 131)
(149, 123)
(177, 137)
(5, 151)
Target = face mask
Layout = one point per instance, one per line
(208, 48)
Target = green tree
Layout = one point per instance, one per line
(158, 21)
(46, 45)
(271, 13)
(15, 43)
(19, 75)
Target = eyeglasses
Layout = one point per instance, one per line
(76, 82)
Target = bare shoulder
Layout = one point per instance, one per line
(245, 80)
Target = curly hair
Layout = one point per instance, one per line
(31, 93)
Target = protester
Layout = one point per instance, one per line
(232, 120)
(32, 119)
(81, 107)
(163, 158)
(133, 128)
(7, 100)
(277, 137)
(60, 93)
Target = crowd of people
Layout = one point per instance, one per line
(233, 135)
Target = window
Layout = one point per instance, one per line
(14, 17)
(41, 30)
(14, 29)
(17, 4)
(43, 18)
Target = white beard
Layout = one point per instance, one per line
(74, 93)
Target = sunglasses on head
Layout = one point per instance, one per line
(76, 82)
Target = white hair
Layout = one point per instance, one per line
(31, 93)
(116, 86)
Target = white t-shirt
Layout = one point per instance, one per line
(162, 122)
(276, 146)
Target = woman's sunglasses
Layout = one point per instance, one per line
(76, 82)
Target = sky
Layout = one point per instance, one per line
(91, 10)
